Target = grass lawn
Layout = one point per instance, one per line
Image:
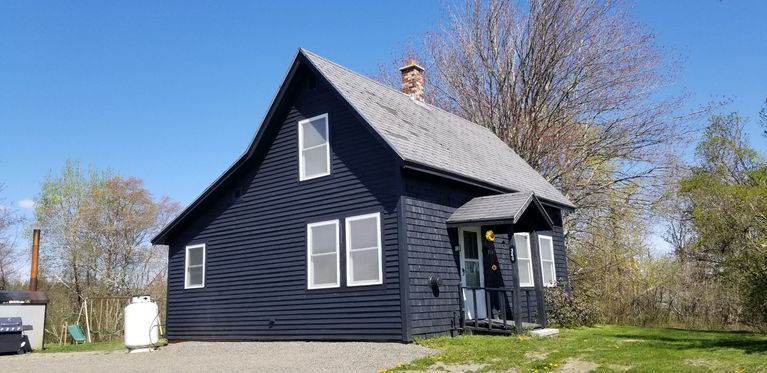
(96, 346)
(605, 348)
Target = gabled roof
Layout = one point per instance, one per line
(419, 133)
(498, 208)
(426, 135)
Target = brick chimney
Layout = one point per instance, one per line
(412, 79)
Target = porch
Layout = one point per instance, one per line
(505, 251)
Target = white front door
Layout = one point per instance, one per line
(472, 274)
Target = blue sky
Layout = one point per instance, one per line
(172, 91)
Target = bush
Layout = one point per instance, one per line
(568, 311)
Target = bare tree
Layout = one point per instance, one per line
(573, 86)
(9, 257)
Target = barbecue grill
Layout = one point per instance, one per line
(12, 338)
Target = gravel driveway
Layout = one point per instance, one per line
(221, 357)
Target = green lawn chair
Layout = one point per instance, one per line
(76, 333)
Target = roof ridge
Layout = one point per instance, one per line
(306, 51)
(521, 192)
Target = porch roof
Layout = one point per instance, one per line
(497, 209)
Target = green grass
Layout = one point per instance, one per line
(96, 346)
(607, 348)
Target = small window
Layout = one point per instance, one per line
(313, 147)
(524, 261)
(546, 246)
(322, 254)
(363, 250)
(194, 265)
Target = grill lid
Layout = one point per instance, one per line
(12, 325)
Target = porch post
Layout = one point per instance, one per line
(538, 275)
(516, 305)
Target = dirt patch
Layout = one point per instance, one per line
(577, 366)
(460, 368)
(707, 364)
(536, 355)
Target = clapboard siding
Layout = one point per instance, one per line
(255, 283)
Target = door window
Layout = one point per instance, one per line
(471, 260)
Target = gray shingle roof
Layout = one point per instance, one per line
(508, 206)
(424, 134)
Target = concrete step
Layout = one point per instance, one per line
(545, 332)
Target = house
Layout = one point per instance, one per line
(359, 212)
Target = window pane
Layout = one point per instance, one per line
(548, 273)
(546, 249)
(324, 269)
(472, 274)
(525, 276)
(364, 265)
(363, 233)
(195, 276)
(315, 161)
(323, 238)
(314, 132)
(470, 245)
(195, 256)
(523, 249)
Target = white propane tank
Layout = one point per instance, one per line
(142, 324)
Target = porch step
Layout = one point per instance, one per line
(545, 332)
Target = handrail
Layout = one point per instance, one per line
(503, 297)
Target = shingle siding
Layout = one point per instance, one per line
(255, 285)
(429, 201)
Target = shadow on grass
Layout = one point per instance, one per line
(681, 339)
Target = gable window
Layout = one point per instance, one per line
(363, 250)
(194, 267)
(524, 259)
(546, 246)
(322, 254)
(313, 147)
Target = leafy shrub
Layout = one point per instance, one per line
(568, 311)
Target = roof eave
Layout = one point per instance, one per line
(415, 166)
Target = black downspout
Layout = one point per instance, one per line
(404, 268)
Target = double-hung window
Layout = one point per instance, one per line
(313, 147)
(322, 254)
(524, 259)
(546, 246)
(363, 250)
(194, 267)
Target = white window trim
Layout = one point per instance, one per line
(529, 260)
(349, 281)
(544, 261)
(301, 176)
(309, 273)
(186, 266)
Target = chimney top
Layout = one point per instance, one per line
(412, 79)
(411, 63)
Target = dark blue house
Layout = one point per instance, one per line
(359, 212)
